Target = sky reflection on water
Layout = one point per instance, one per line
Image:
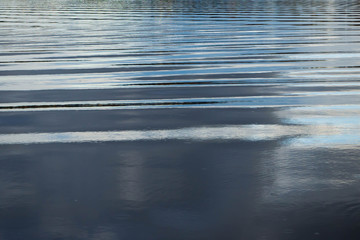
(179, 119)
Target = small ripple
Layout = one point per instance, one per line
(294, 100)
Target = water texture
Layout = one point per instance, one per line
(180, 119)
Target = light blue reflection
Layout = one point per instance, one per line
(339, 140)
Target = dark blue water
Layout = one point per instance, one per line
(184, 119)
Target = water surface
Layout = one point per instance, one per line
(185, 119)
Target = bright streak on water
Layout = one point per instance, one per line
(247, 133)
(326, 135)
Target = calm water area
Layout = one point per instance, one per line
(180, 119)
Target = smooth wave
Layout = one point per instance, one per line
(250, 132)
(322, 99)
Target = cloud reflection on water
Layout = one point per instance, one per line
(254, 167)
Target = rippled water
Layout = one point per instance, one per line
(185, 119)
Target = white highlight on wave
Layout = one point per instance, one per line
(300, 135)
(296, 136)
(234, 132)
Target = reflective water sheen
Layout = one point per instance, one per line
(183, 119)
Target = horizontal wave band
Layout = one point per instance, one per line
(298, 99)
(237, 132)
(298, 135)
